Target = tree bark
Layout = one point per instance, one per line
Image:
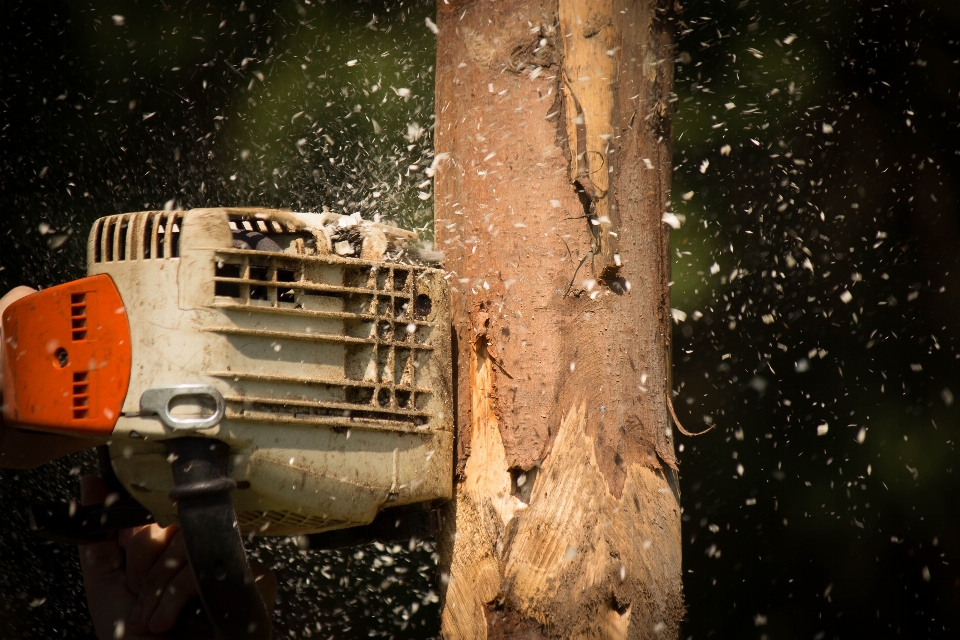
(553, 174)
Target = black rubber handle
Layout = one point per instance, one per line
(210, 533)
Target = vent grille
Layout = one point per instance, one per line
(266, 520)
(81, 379)
(137, 236)
(256, 224)
(78, 316)
(378, 315)
(81, 395)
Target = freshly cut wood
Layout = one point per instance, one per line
(553, 127)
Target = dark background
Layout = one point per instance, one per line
(816, 274)
(823, 257)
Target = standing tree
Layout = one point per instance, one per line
(553, 171)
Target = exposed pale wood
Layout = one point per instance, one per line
(579, 549)
(553, 116)
(485, 507)
(589, 73)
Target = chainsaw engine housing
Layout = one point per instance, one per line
(335, 372)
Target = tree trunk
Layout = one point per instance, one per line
(553, 173)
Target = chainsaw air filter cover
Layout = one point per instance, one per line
(332, 372)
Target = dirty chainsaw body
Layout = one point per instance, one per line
(321, 380)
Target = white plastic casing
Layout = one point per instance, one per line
(336, 372)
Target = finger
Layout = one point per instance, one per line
(162, 574)
(98, 558)
(105, 580)
(145, 547)
(180, 589)
(124, 535)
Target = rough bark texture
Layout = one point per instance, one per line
(553, 134)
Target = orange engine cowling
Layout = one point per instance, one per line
(66, 358)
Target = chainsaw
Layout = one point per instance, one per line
(250, 371)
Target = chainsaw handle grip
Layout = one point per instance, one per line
(211, 535)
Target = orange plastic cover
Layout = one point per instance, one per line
(66, 358)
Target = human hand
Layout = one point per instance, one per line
(138, 583)
(157, 571)
(110, 598)
(27, 449)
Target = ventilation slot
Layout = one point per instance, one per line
(175, 237)
(123, 227)
(168, 235)
(108, 236)
(261, 273)
(161, 234)
(148, 238)
(97, 240)
(225, 288)
(81, 395)
(78, 316)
